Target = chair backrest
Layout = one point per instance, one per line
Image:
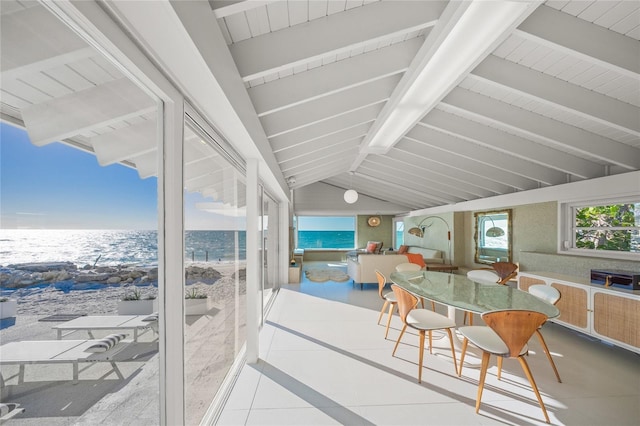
(382, 281)
(483, 275)
(515, 327)
(545, 292)
(406, 301)
(403, 267)
(505, 270)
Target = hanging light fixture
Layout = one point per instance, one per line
(351, 195)
(494, 231)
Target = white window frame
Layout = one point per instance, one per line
(566, 231)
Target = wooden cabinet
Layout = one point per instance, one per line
(610, 314)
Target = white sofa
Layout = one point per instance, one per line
(361, 267)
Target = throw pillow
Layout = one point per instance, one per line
(103, 345)
(403, 249)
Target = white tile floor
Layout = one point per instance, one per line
(324, 360)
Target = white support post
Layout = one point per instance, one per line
(254, 304)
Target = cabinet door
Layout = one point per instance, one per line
(616, 317)
(573, 305)
(525, 282)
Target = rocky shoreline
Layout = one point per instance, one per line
(49, 288)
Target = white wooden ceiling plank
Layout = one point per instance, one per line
(412, 176)
(304, 151)
(509, 143)
(24, 91)
(587, 41)
(380, 178)
(317, 9)
(461, 176)
(315, 174)
(553, 131)
(329, 106)
(522, 51)
(617, 13)
(628, 92)
(320, 159)
(238, 27)
(258, 21)
(576, 7)
(222, 9)
(351, 4)
(126, 143)
(281, 49)
(46, 84)
(92, 71)
(587, 75)
(47, 64)
(336, 6)
(329, 79)
(548, 60)
(10, 99)
(31, 35)
(595, 10)
(222, 23)
(457, 163)
(326, 127)
(328, 140)
(51, 121)
(508, 46)
(634, 33)
(69, 78)
(320, 174)
(310, 159)
(535, 56)
(614, 84)
(598, 81)
(278, 15)
(298, 12)
(573, 71)
(327, 60)
(557, 4)
(285, 73)
(560, 66)
(436, 137)
(554, 91)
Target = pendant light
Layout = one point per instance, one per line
(351, 195)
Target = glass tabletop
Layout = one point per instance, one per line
(461, 292)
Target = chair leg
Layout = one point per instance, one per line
(430, 342)
(422, 302)
(404, 327)
(453, 351)
(500, 359)
(527, 372)
(421, 355)
(391, 306)
(384, 308)
(546, 351)
(433, 306)
(483, 375)
(465, 342)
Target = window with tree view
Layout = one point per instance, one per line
(611, 227)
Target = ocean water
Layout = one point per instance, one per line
(326, 239)
(112, 247)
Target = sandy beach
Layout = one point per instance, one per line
(48, 394)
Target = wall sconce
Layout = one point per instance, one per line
(418, 231)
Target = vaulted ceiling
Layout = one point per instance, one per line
(418, 103)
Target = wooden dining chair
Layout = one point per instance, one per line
(551, 295)
(506, 336)
(505, 270)
(414, 267)
(389, 300)
(422, 320)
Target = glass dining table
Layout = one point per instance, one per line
(460, 292)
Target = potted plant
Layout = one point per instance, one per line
(196, 302)
(134, 304)
(8, 307)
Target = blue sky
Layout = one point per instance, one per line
(59, 187)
